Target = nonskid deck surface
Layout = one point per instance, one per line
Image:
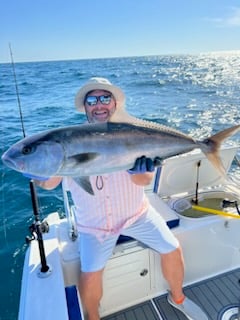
(212, 295)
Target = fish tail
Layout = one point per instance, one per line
(211, 146)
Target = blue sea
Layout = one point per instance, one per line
(198, 95)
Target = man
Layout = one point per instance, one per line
(119, 206)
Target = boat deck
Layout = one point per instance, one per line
(212, 295)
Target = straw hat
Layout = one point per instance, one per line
(99, 84)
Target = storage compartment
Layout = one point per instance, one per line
(209, 203)
(190, 181)
(126, 278)
(182, 174)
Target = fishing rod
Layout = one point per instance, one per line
(17, 91)
(38, 227)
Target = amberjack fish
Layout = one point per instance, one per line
(94, 149)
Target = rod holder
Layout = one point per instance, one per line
(38, 228)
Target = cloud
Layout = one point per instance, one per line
(230, 20)
(234, 18)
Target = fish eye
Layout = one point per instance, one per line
(27, 150)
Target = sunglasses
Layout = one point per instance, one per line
(93, 100)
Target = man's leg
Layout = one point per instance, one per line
(94, 255)
(90, 288)
(152, 230)
(173, 271)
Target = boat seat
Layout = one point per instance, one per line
(123, 239)
(171, 224)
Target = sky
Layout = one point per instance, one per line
(76, 29)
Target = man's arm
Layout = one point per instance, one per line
(43, 182)
(142, 179)
(49, 184)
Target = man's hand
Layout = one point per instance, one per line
(142, 165)
(47, 183)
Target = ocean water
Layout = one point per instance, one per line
(198, 95)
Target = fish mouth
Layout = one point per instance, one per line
(12, 163)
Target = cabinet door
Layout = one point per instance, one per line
(126, 281)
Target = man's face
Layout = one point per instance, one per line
(99, 106)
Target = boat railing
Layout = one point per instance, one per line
(69, 211)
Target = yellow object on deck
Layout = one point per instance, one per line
(214, 211)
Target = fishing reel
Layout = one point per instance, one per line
(35, 229)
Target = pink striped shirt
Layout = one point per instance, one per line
(117, 203)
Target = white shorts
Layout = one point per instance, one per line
(150, 229)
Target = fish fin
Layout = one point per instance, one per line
(84, 157)
(85, 184)
(213, 144)
(121, 116)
